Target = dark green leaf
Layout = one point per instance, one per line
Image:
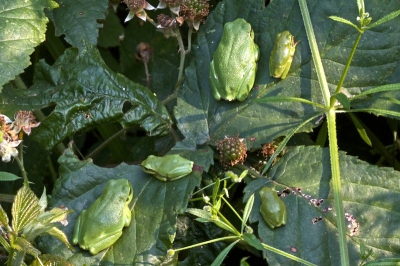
(201, 118)
(78, 20)
(112, 31)
(370, 194)
(87, 94)
(155, 206)
(22, 27)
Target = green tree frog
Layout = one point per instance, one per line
(168, 168)
(282, 55)
(273, 210)
(234, 65)
(101, 224)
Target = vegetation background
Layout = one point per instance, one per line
(101, 116)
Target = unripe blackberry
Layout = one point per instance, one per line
(232, 151)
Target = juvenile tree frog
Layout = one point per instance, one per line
(234, 65)
(272, 209)
(101, 224)
(168, 168)
(282, 55)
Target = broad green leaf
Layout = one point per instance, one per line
(87, 94)
(78, 20)
(201, 118)
(24, 209)
(155, 206)
(370, 195)
(22, 28)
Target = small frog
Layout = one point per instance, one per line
(234, 65)
(282, 55)
(168, 168)
(272, 209)
(101, 225)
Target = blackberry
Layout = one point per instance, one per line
(232, 151)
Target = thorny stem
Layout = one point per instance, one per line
(175, 93)
(20, 163)
(147, 74)
(182, 52)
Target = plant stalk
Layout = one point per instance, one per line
(346, 68)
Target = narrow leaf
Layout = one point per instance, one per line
(199, 213)
(218, 261)
(5, 244)
(345, 21)
(342, 99)
(252, 241)
(247, 211)
(384, 262)
(5, 176)
(360, 129)
(385, 19)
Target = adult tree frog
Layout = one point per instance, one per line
(282, 55)
(168, 168)
(101, 224)
(272, 209)
(234, 65)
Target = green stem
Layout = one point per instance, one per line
(287, 255)
(233, 209)
(333, 146)
(228, 223)
(105, 143)
(207, 242)
(315, 52)
(337, 188)
(189, 40)
(346, 68)
(22, 168)
(149, 19)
